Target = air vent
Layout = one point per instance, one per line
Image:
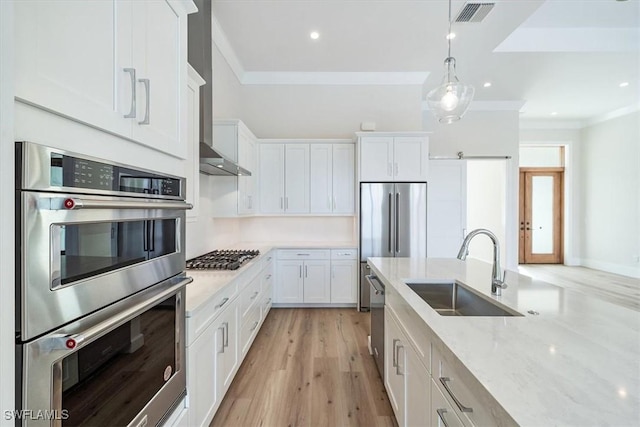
(474, 12)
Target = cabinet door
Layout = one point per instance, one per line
(201, 375)
(289, 283)
(411, 155)
(227, 360)
(376, 158)
(317, 285)
(320, 181)
(70, 58)
(246, 184)
(343, 281)
(193, 138)
(395, 366)
(343, 186)
(159, 56)
(271, 172)
(418, 391)
(296, 178)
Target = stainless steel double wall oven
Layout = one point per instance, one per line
(99, 292)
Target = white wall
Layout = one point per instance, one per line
(486, 133)
(207, 233)
(610, 193)
(7, 209)
(486, 198)
(311, 230)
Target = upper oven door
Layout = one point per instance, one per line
(81, 253)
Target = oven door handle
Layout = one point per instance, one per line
(73, 342)
(73, 203)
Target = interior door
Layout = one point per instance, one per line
(541, 206)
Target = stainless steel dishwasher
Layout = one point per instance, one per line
(377, 321)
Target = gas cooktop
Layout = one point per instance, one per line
(226, 259)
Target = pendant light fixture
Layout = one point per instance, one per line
(451, 99)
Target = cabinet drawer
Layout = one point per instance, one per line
(442, 414)
(267, 277)
(268, 259)
(199, 322)
(267, 300)
(471, 402)
(344, 254)
(415, 328)
(250, 327)
(304, 254)
(249, 296)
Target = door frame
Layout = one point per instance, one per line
(524, 211)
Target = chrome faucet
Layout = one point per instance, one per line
(497, 278)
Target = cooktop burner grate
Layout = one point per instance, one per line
(226, 259)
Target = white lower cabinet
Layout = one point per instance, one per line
(290, 282)
(303, 282)
(407, 380)
(316, 285)
(212, 359)
(344, 276)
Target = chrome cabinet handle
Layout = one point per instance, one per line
(395, 354)
(441, 413)
(226, 335)
(281, 203)
(286, 203)
(147, 86)
(444, 381)
(255, 294)
(132, 108)
(268, 277)
(223, 302)
(221, 328)
(398, 347)
(306, 272)
(255, 325)
(334, 203)
(300, 272)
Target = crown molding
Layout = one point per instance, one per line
(613, 114)
(222, 42)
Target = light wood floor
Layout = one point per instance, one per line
(308, 367)
(621, 290)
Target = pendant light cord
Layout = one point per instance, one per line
(449, 35)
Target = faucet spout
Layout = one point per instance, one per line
(497, 278)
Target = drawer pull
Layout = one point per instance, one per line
(255, 325)
(255, 294)
(395, 354)
(303, 254)
(398, 360)
(223, 302)
(441, 413)
(444, 381)
(268, 277)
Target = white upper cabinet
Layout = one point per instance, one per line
(192, 169)
(332, 178)
(235, 196)
(284, 178)
(119, 66)
(393, 157)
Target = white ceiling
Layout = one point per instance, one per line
(564, 56)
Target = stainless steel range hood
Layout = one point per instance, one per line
(200, 57)
(213, 163)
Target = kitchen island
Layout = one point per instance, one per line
(569, 359)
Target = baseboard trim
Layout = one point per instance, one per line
(623, 270)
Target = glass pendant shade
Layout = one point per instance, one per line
(451, 99)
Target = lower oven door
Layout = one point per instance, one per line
(81, 253)
(122, 365)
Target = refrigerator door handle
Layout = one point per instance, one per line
(397, 221)
(389, 227)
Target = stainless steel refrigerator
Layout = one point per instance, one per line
(393, 223)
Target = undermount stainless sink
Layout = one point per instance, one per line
(453, 299)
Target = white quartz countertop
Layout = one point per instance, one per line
(575, 363)
(208, 283)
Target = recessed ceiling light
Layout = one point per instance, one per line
(555, 113)
(451, 36)
(487, 84)
(220, 166)
(624, 84)
(314, 35)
